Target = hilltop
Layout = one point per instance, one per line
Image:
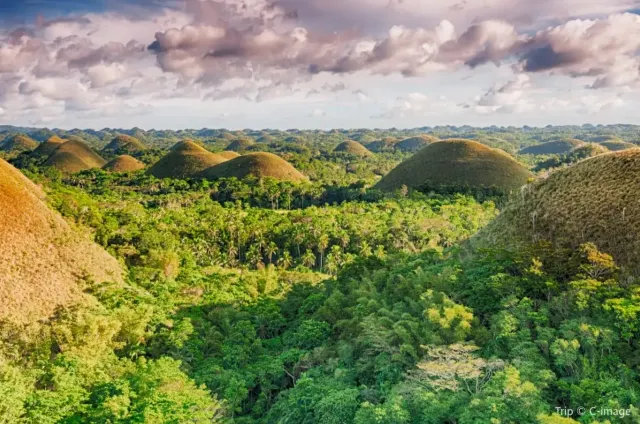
(618, 145)
(384, 145)
(185, 159)
(240, 145)
(553, 147)
(229, 154)
(593, 201)
(124, 144)
(74, 156)
(414, 144)
(353, 148)
(457, 165)
(124, 163)
(259, 164)
(42, 258)
(18, 143)
(46, 149)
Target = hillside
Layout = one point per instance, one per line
(185, 159)
(41, 257)
(229, 154)
(457, 165)
(414, 144)
(18, 143)
(353, 148)
(124, 144)
(124, 163)
(74, 156)
(384, 145)
(240, 145)
(552, 147)
(46, 149)
(593, 201)
(259, 164)
(617, 146)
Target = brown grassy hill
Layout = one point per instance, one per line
(457, 165)
(229, 155)
(42, 259)
(617, 146)
(18, 143)
(124, 163)
(185, 159)
(240, 145)
(353, 148)
(414, 144)
(385, 145)
(556, 147)
(124, 144)
(595, 200)
(74, 156)
(259, 164)
(46, 149)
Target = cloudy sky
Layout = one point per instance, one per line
(318, 63)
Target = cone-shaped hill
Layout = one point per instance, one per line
(74, 156)
(18, 143)
(240, 145)
(41, 257)
(124, 163)
(185, 159)
(46, 149)
(457, 165)
(557, 147)
(414, 144)
(595, 200)
(352, 148)
(385, 145)
(228, 155)
(617, 146)
(259, 164)
(124, 144)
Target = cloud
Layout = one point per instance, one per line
(507, 98)
(416, 106)
(318, 113)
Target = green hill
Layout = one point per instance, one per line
(185, 159)
(229, 154)
(240, 145)
(46, 149)
(457, 165)
(556, 147)
(124, 163)
(42, 258)
(595, 200)
(414, 144)
(74, 156)
(124, 144)
(617, 146)
(385, 145)
(353, 148)
(18, 143)
(259, 164)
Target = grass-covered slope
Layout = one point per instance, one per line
(18, 143)
(240, 145)
(595, 200)
(124, 163)
(454, 165)
(46, 149)
(42, 259)
(185, 159)
(124, 144)
(617, 146)
(556, 147)
(74, 156)
(414, 144)
(353, 148)
(229, 154)
(259, 164)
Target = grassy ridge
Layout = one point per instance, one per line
(259, 164)
(186, 159)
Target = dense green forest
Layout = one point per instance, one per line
(323, 301)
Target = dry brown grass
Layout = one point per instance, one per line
(556, 147)
(457, 164)
(353, 148)
(18, 143)
(618, 146)
(46, 149)
(74, 156)
(240, 145)
(124, 163)
(259, 164)
(124, 144)
(596, 200)
(186, 159)
(414, 144)
(229, 155)
(43, 261)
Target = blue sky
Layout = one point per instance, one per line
(317, 63)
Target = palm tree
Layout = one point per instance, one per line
(309, 259)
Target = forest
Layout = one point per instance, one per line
(342, 296)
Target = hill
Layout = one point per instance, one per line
(46, 149)
(587, 150)
(123, 145)
(259, 164)
(18, 143)
(353, 148)
(414, 144)
(384, 145)
(556, 147)
(74, 156)
(124, 163)
(593, 201)
(185, 159)
(457, 165)
(42, 258)
(617, 146)
(240, 145)
(229, 154)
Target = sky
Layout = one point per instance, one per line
(174, 64)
